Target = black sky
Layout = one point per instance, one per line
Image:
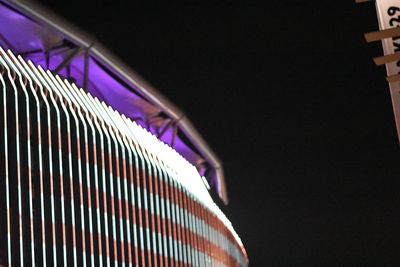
(288, 96)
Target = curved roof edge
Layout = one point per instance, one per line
(50, 19)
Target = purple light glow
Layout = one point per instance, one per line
(32, 36)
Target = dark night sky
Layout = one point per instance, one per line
(288, 96)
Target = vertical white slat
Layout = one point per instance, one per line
(134, 144)
(140, 176)
(152, 208)
(118, 178)
(105, 124)
(124, 177)
(146, 209)
(98, 120)
(88, 115)
(76, 112)
(49, 85)
(43, 92)
(10, 58)
(132, 154)
(63, 101)
(149, 161)
(139, 133)
(18, 156)
(73, 108)
(32, 77)
(151, 154)
(70, 92)
(125, 139)
(183, 225)
(157, 180)
(119, 198)
(182, 253)
(7, 178)
(31, 218)
(139, 161)
(148, 194)
(101, 131)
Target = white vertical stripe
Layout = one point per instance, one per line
(162, 164)
(18, 159)
(9, 252)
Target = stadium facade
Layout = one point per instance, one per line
(99, 169)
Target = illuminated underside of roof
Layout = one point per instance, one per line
(49, 41)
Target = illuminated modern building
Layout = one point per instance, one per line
(99, 169)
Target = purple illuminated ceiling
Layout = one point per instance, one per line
(49, 48)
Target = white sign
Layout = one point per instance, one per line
(389, 17)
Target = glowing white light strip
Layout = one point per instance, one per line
(105, 125)
(88, 176)
(147, 161)
(55, 85)
(18, 159)
(116, 119)
(31, 77)
(150, 175)
(28, 129)
(182, 254)
(170, 188)
(9, 251)
(119, 197)
(48, 92)
(187, 226)
(148, 184)
(145, 173)
(23, 67)
(44, 92)
(142, 161)
(50, 86)
(155, 195)
(121, 142)
(163, 180)
(114, 132)
(124, 146)
(174, 229)
(103, 174)
(88, 115)
(166, 200)
(75, 111)
(131, 150)
(161, 229)
(159, 201)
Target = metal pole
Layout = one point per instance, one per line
(76, 52)
(86, 71)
